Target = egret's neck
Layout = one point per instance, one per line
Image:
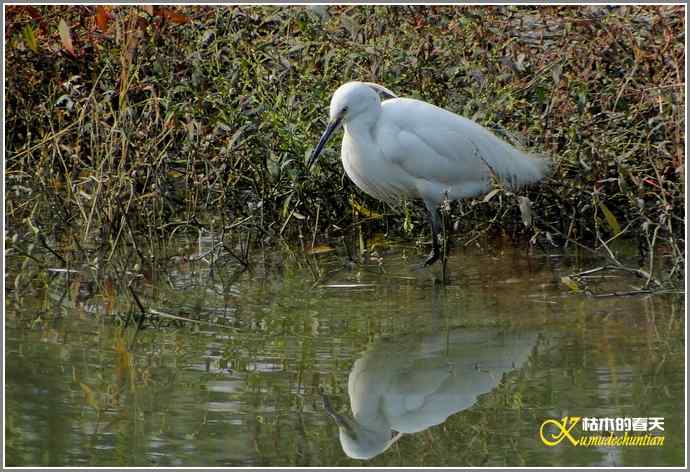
(361, 127)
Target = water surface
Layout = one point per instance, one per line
(467, 371)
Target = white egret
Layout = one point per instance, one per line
(405, 148)
(408, 384)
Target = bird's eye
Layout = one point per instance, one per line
(344, 109)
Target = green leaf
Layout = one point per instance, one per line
(570, 283)
(610, 219)
(364, 211)
(286, 205)
(556, 73)
(30, 38)
(407, 223)
(320, 249)
(525, 210)
(491, 195)
(89, 396)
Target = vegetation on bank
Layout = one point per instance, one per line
(127, 125)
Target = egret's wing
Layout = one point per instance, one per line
(434, 144)
(476, 154)
(436, 154)
(434, 168)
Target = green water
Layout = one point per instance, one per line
(469, 370)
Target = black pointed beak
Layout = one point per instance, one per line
(340, 420)
(332, 126)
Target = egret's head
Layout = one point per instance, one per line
(349, 101)
(358, 440)
(360, 443)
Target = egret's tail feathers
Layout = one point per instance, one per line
(510, 165)
(547, 164)
(544, 165)
(522, 169)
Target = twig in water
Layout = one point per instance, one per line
(316, 226)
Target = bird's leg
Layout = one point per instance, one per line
(435, 229)
(445, 210)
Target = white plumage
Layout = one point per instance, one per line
(406, 148)
(409, 384)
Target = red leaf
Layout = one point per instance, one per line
(651, 182)
(65, 37)
(102, 18)
(172, 15)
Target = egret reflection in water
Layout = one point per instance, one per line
(408, 384)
